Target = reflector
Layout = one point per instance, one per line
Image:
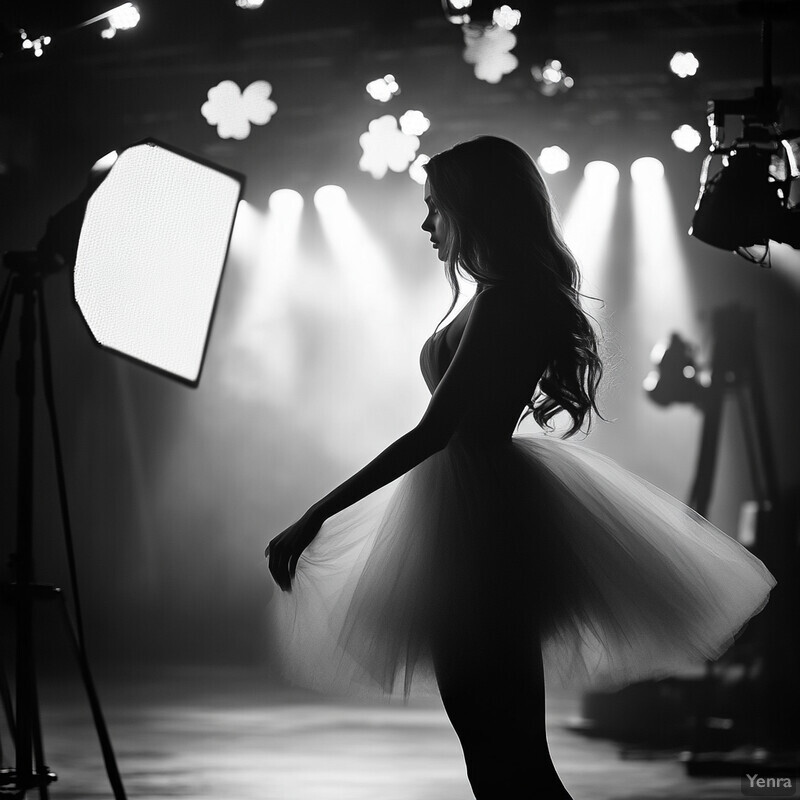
(151, 253)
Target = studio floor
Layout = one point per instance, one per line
(212, 734)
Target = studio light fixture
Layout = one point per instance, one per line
(745, 204)
(148, 237)
(148, 246)
(675, 377)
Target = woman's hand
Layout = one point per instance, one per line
(285, 549)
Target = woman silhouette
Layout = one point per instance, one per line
(499, 555)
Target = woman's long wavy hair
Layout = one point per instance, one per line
(502, 228)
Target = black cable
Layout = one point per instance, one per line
(47, 382)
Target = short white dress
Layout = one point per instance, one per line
(543, 540)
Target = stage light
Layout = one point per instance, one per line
(746, 203)
(686, 138)
(416, 171)
(150, 256)
(249, 4)
(383, 89)
(588, 221)
(285, 200)
(601, 172)
(363, 271)
(553, 159)
(684, 64)
(646, 170)
(662, 294)
(330, 196)
(506, 17)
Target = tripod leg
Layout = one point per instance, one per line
(36, 732)
(700, 493)
(97, 713)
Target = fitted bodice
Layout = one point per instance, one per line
(429, 360)
(495, 423)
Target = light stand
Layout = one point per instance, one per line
(736, 375)
(740, 714)
(148, 242)
(31, 772)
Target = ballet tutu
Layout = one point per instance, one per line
(532, 540)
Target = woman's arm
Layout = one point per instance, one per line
(398, 458)
(480, 369)
(401, 456)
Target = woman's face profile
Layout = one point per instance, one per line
(435, 225)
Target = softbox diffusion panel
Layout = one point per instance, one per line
(152, 248)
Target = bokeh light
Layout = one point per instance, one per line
(684, 65)
(551, 78)
(414, 123)
(686, 138)
(385, 147)
(416, 171)
(553, 159)
(383, 89)
(506, 17)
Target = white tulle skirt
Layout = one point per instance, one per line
(548, 542)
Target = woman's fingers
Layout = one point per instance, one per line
(279, 561)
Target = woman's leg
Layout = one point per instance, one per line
(495, 701)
